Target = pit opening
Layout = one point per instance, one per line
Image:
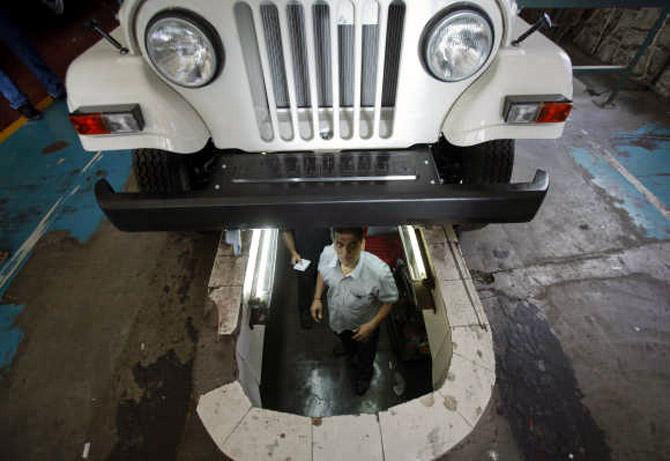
(296, 398)
(294, 369)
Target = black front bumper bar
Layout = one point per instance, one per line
(318, 204)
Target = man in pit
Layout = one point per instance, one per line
(361, 292)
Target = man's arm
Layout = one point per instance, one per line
(364, 331)
(317, 305)
(289, 242)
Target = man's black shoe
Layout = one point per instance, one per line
(361, 386)
(29, 112)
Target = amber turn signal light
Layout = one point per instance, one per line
(554, 112)
(528, 109)
(96, 120)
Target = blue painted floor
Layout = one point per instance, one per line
(46, 185)
(645, 155)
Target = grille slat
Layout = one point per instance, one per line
(312, 71)
(296, 27)
(323, 59)
(254, 68)
(335, 71)
(305, 49)
(345, 39)
(381, 57)
(396, 23)
(275, 53)
(369, 78)
(354, 122)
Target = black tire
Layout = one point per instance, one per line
(159, 171)
(487, 163)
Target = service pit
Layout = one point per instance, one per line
(463, 372)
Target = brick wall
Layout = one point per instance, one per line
(613, 36)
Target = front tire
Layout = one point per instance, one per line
(160, 171)
(490, 162)
(486, 163)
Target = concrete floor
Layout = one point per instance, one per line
(114, 343)
(579, 299)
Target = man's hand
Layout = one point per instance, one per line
(364, 331)
(317, 310)
(295, 258)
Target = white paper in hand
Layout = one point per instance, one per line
(302, 265)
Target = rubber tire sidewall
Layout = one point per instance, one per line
(158, 171)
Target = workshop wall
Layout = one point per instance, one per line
(613, 36)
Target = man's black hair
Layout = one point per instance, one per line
(357, 232)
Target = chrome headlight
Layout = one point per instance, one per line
(457, 45)
(184, 48)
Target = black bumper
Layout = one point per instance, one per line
(322, 205)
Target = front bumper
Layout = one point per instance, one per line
(232, 202)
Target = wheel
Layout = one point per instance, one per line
(486, 163)
(159, 171)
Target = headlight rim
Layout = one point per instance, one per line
(207, 29)
(439, 17)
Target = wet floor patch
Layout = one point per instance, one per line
(539, 391)
(151, 428)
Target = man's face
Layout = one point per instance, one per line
(348, 248)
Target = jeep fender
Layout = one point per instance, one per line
(101, 76)
(536, 67)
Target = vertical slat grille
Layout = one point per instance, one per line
(396, 23)
(369, 77)
(252, 63)
(275, 53)
(322, 46)
(296, 23)
(332, 57)
(345, 37)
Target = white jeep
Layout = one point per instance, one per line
(245, 113)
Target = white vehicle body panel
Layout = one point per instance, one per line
(182, 120)
(529, 69)
(101, 76)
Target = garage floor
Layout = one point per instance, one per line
(104, 337)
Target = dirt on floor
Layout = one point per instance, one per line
(111, 328)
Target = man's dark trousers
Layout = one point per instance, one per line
(310, 243)
(364, 351)
(306, 282)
